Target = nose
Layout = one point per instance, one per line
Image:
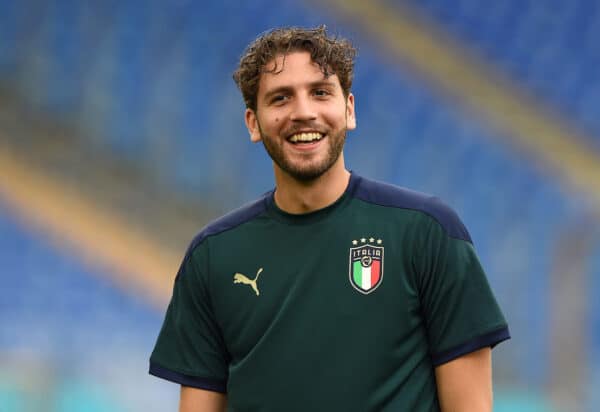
(302, 109)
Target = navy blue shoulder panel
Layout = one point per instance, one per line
(384, 194)
(229, 221)
(233, 219)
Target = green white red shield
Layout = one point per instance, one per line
(366, 268)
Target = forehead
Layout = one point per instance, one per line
(295, 69)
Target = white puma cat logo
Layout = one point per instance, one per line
(241, 278)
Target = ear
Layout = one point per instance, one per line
(252, 125)
(350, 114)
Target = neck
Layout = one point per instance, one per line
(298, 197)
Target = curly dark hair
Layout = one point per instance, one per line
(334, 55)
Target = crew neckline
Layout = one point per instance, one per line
(316, 215)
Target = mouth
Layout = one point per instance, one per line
(306, 138)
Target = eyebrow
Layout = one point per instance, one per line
(288, 89)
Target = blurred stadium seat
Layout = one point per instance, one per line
(550, 47)
(150, 83)
(55, 310)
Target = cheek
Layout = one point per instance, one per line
(335, 117)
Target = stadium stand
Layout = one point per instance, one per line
(550, 47)
(151, 85)
(54, 310)
(593, 374)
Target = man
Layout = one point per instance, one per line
(332, 292)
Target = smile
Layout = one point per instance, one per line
(306, 137)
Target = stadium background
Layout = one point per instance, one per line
(121, 134)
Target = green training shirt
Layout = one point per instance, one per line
(349, 308)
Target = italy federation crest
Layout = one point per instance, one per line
(366, 265)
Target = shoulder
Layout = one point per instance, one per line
(388, 195)
(231, 220)
(223, 224)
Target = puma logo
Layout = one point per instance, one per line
(241, 278)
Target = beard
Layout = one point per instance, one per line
(310, 169)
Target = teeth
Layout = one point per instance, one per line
(306, 137)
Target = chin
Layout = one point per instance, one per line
(308, 174)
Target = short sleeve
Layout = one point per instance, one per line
(190, 348)
(461, 313)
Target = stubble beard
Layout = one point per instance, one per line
(309, 170)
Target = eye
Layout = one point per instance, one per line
(321, 92)
(279, 99)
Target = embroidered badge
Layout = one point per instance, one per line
(366, 264)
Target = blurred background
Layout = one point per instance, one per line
(121, 135)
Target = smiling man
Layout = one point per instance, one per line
(332, 292)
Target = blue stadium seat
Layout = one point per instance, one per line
(57, 309)
(547, 46)
(593, 343)
(153, 87)
(9, 33)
